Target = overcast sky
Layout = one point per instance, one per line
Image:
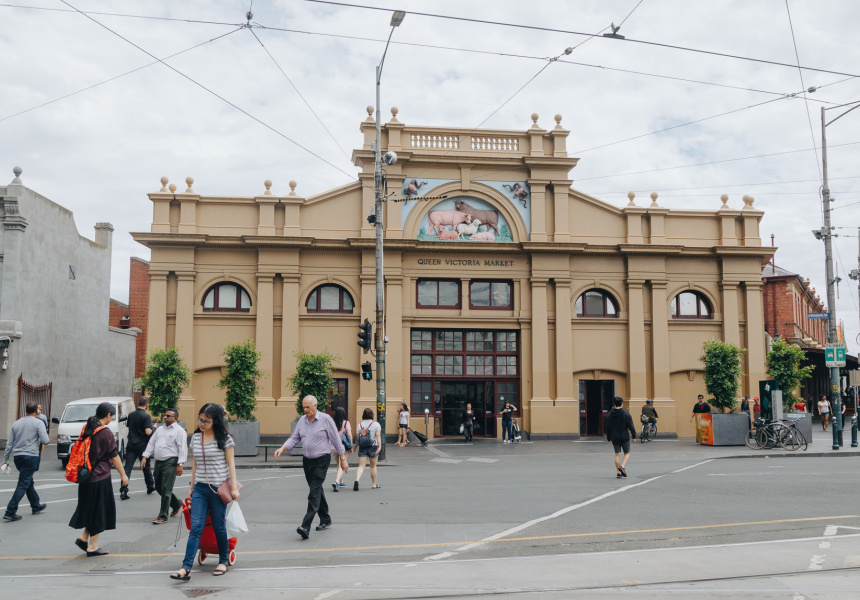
(100, 151)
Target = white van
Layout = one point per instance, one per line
(75, 416)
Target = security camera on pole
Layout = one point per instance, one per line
(379, 194)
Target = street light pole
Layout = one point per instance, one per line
(827, 235)
(379, 198)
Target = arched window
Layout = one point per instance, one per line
(330, 298)
(596, 303)
(226, 297)
(690, 305)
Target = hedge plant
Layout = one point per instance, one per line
(722, 362)
(164, 379)
(313, 377)
(241, 379)
(783, 364)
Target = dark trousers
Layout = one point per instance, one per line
(506, 430)
(27, 467)
(206, 501)
(165, 476)
(133, 452)
(316, 470)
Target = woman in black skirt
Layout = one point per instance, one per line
(96, 510)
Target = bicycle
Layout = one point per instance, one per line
(649, 430)
(770, 434)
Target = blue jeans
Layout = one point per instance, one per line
(204, 501)
(27, 467)
(506, 429)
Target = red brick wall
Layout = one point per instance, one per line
(118, 310)
(786, 305)
(138, 302)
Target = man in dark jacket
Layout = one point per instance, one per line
(618, 423)
(139, 432)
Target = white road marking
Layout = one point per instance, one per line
(816, 563)
(451, 461)
(482, 460)
(693, 466)
(325, 595)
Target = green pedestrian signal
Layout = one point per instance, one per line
(366, 371)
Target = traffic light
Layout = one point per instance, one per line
(364, 335)
(366, 371)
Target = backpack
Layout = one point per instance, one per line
(79, 469)
(365, 440)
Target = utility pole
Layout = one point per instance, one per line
(379, 196)
(827, 234)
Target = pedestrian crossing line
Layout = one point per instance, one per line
(460, 542)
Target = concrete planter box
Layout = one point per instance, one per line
(718, 429)
(804, 424)
(246, 435)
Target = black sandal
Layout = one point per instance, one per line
(179, 577)
(216, 572)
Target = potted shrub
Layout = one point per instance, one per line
(783, 365)
(313, 376)
(723, 371)
(165, 376)
(240, 379)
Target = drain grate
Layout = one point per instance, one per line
(198, 592)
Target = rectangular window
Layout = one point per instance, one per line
(422, 397)
(227, 296)
(506, 365)
(422, 340)
(339, 397)
(438, 293)
(506, 341)
(490, 294)
(507, 392)
(479, 365)
(479, 340)
(422, 364)
(449, 365)
(449, 341)
(329, 297)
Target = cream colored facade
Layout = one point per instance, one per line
(279, 249)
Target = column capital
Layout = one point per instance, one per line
(728, 285)
(753, 285)
(659, 283)
(265, 277)
(562, 281)
(635, 283)
(155, 274)
(539, 281)
(186, 275)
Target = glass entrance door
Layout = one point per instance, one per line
(455, 397)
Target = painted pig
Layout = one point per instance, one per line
(438, 218)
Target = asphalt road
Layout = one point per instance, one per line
(456, 520)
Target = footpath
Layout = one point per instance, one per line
(820, 446)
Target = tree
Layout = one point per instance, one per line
(165, 376)
(241, 379)
(722, 362)
(783, 364)
(312, 377)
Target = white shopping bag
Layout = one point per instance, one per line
(235, 519)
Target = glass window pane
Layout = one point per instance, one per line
(480, 293)
(246, 300)
(347, 302)
(673, 308)
(594, 303)
(329, 298)
(312, 301)
(704, 311)
(610, 307)
(449, 293)
(457, 344)
(227, 296)
(427, 293)
(688, 303)
(209, 300)
(577, 307)
(501, 294)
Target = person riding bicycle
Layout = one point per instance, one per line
(649, 412)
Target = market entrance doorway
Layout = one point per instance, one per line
(595, 401)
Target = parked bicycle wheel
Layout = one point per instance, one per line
(800, 439)
(751, 440)
(765, 438)
(787, 439)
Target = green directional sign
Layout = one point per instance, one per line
(834, 356)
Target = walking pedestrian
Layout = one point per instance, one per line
(824, 411)
(42, 417)
(403, 426)
(168, 445)
(618, 423)
(701, 407)
(369, 434)
(343, 429)
(507, 420)
(139, 433)
(96, 509)
(468, 422)
(756, 408)
(212, 447)
(317, 433)
(25, 440)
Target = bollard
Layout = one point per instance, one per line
(854, 431)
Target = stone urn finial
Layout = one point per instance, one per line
(17, 172)
(172, 188)
(630, 196)
(748, 201)
(293, 187)
(654, 200)
(268, 184)
(164, 182)
(190, 182)
(394, 111)
(534, 119)
(725, 199)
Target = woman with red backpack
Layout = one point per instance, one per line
(96, 510)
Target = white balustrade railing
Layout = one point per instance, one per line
(499, 144)
(450, 141)
(425, 141)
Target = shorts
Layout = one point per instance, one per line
(369, 452)
(403, 426)
(624, 447)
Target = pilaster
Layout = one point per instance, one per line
(265, 332)
(185, 329)
(156, 333)
(636, 340)
(660, 339)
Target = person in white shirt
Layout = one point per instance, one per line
(169, 447)
(369, 440)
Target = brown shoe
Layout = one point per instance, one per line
(176, 512)
(159, 522)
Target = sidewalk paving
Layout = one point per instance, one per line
(820, 445)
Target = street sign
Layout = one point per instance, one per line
(834, 357)
(818, 315)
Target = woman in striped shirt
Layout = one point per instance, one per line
(212, 447)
